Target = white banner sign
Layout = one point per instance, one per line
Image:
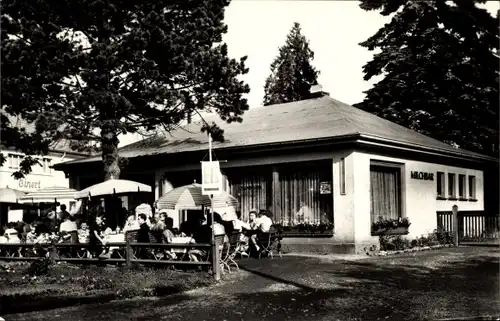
(211, 178)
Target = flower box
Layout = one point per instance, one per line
(403, 230)
(306, 230)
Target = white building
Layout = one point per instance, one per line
(348, 166)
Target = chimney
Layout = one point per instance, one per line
(317, 91)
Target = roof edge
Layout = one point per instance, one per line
(418, 147)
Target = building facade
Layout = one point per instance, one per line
(319, 161)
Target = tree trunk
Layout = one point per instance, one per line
(110, 156)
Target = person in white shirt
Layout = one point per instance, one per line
(263, 224)
(304, 214)
(67, 225)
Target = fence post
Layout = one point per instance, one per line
(215, 260)
(454, 211)
(53, 252)
(128, 253)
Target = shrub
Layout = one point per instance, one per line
(40, 267)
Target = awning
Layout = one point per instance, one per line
(48, 195)
(10, 195)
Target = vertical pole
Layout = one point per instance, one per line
(454, 211)
(215, 247)
(128, 252)
(209, 147)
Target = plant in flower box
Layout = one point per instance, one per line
(305, 228)
(391, 226)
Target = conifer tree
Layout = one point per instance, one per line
(292, 74)
(87, 71)
(439, 61)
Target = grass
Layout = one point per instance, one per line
(18, 285)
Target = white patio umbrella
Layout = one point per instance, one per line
(10, 195)
(48, 194)
(113, 186)
(190, 197)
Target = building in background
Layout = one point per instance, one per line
(316, 160)
(42, 175)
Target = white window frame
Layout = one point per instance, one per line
(462, 193)
(10, 160)
(471, 181)
(452, 177)
(441, 177)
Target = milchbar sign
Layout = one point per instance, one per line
(422, 175)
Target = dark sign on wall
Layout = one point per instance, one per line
(422, 175)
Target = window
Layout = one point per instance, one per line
(472, 187)
(294, 193)
(46, 165)
(14, 160)
(451, 186)
(301, 197)
(385, 192)
(461, 186)
(253, 190)
(342, 176)
(440, 185)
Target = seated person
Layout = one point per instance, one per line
(167, 236)
(12, 235)
(192, 225)
(131, 224)
(204, 236)
(143, 234)
(84, 233)
(31, 235)
(263, 224)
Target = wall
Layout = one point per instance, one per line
(36, 180)
(419, 196)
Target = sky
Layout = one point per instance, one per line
(257, 28)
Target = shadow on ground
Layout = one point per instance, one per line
(372, 289)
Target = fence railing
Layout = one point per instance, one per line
(472, 226)
(125, 253)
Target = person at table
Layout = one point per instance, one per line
(252, 219)
(263, 225)
(192, 225)
(168, 235)
(204, 235)
(99, 231)
(67, 226)
(143, 233)
(131, 224)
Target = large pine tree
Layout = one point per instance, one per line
(440, 70)
(292, 74)
(87, 71)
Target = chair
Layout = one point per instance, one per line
(269, 242)
(232, 249)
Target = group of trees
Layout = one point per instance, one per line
(87, 71)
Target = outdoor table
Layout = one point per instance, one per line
(181, 240)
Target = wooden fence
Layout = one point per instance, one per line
(472, 226)
(126, 253)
